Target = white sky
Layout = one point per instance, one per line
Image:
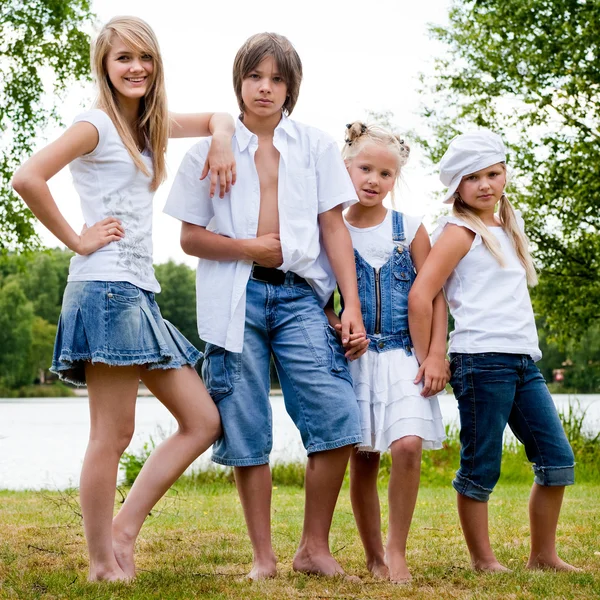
(357, 56)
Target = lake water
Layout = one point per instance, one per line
(43, 441)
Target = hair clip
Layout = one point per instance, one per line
(348, 142)
(363, 128)
(348, 125)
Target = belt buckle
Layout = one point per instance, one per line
(255, 276)
(271, 276)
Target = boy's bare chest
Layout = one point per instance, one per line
(267, 167)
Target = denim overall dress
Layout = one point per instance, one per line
(383, 294)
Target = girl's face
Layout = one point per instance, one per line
(129, 71)
(373, 172)
(483, 189)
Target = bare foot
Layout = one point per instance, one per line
(320, 564)
(123, 546)
(103, 574)
(263, 570)
(555, 563)
(492, 566)
(399, 572)
(378, 569)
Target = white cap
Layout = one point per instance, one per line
(468, 153)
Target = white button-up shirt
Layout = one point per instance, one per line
(312, 179)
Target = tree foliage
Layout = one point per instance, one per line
(43, 49)
(177, 298)
(530, 70)
(16, 334)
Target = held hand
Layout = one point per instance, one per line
(99, 235)
(434, 372)
(351, 323)
(265, 250)
(357, 346)
(221, 165)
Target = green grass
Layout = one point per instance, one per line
(195, 545)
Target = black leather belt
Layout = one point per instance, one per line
(272, 275)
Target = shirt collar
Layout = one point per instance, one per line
(244, 136)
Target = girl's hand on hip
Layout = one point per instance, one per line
(99, 235)
(220, 162)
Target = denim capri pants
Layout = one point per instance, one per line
(493, 390)
(118, 324)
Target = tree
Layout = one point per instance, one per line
(42, 348)
(16, 333)
(530, 69)
(37, 37)
(177, 299)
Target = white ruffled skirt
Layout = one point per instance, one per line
(391, 405)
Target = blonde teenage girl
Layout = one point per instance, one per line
(399, 410)
(111, 334)
(480, 257)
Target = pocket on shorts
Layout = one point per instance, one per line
(339, 363)
(122, 291)
(456, 374)
(214, 372)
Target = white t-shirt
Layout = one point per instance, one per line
(312, 179)
(490, 304)
(110, 185)
(375, 244)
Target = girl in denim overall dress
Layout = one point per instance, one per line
(111, 333)
(399, 410)
(480, 257)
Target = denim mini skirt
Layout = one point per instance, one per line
(118, 324)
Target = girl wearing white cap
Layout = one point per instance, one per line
(481, 260)
(398, 407)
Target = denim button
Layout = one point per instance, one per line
(110, 295)
(381, 344)
(403, 274)
(400, 249)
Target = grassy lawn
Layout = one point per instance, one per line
(194, 545)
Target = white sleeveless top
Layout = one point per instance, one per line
(490, 304)
(110, 185)
(375, 244)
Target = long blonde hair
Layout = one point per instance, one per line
(152, 125)
(358, 135)
(510, 224)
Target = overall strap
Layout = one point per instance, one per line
(397, 227)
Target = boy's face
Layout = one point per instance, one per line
(263, 90)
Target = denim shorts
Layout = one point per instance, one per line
(494, 390)
(284, 321)
(118, 324)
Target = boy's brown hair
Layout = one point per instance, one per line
(258, 47)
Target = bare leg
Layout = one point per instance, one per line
(402, 494)
(254, 487)
(364, 468)
(112, 395)
(544, 508)
(324, 477)
(474, 522)
(184, 395)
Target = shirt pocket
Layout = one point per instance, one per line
(300, 197)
